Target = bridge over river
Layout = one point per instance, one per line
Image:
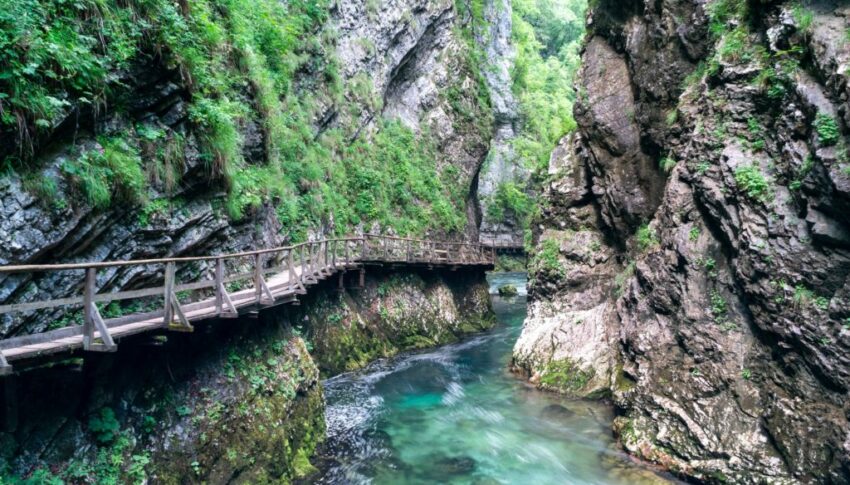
(236, 284)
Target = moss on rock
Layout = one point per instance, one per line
(564, 376)
(393, 313)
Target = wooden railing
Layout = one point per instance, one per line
(500, 244)
(276, 275)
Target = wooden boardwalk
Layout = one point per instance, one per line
(257, 279)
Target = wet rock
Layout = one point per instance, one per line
(507, 290)
(556, 412)
(449, 466)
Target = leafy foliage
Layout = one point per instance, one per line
(827, 129)
(547, 35)
(646, 237)
(509, 199)
(104, 426)
(753, 182)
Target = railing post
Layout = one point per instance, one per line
(258, 277)
(333, 253)
(326, 258)
(291, 269)
(92, 319)
(219, 285)
(301, 264)
(168, 313)
(88, 308)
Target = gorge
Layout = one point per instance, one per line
(676, 170)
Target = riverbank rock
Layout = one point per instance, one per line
(394, 312)
(507, 290)
(691, 258)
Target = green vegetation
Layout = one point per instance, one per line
(693, 234)
(114, 171)
(722, 12)
(667, 164)
(510, 200)
(827, 129)
(546, 260)
(565, 376)
(104, 426)
(64, 54)
(753, 182)
(547, 35)
(802, 295)
(622, 278)
(646, 238)
(803, 17)
(719, 306)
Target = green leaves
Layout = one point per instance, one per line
(827, 129)
(753, 182)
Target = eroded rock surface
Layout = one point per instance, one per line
(710, 166)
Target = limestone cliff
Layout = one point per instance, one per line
(693, 251)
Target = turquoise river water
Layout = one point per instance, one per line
(456, 415)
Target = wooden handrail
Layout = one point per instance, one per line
(29, 268)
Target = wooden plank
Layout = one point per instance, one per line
(183, 325)
(5, 368)
(38, 305)
(108, 344)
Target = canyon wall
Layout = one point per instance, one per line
(693, 250)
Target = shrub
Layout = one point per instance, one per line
(546, 260)
(510, 200)
(104, 426)
(222, 142)
(827, 129)
(750, 179)
(646, 237)
(115, 169)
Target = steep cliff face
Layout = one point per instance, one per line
(501, 166)
(693, 251)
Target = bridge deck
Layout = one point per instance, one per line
(292, 270)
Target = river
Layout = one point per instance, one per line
(456, 415)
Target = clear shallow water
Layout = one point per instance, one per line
(456, 415)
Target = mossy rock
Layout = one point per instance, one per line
(565, 376)
(507, 290)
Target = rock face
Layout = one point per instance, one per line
(501, 165)
(392, 313)
(692, 255)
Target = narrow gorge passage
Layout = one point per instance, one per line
(457, 415)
